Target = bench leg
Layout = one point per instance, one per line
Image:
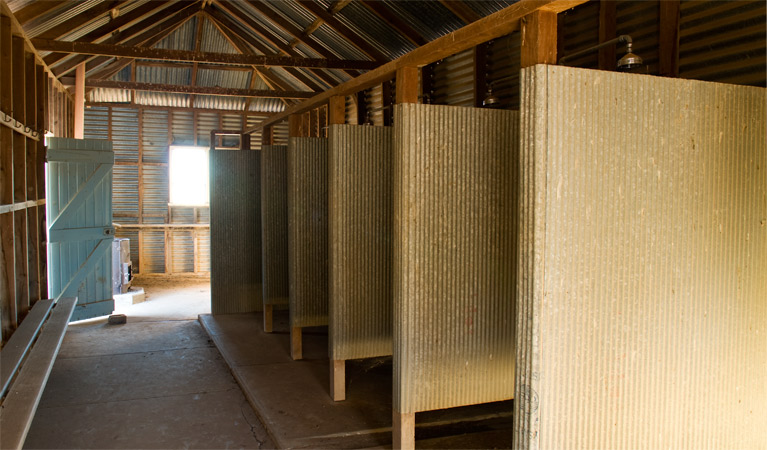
(403, 430)
(296, 351)
(338, 379)
(268, 318)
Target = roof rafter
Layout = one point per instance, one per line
(187, 89)
(136, 35)
(34, 10)
(240, 40)
(266, 34)
(113, 26)
(126, 51)
(381, 10)
(81, 19)
(343, 30)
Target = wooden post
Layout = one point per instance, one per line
(80, 101)
(33, 237)
(403, 430)
(407, 85)
(296, 344)
(19, 308)
(337, 110)
(294, 125)
(668, 39)
(607, 31)
(362, 108)
(427, 84)
(338, 380)
(539, 38)
(7, 266)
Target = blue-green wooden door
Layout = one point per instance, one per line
(80, 230)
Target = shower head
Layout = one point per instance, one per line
(629, 60)
(490, 100)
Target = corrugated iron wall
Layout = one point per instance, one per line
(642, 300)
(141, 189)
(235, 227)
(454, 263)
(454, 80)
(360, 241)
(308, 231)
(274, 216)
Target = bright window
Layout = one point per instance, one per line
(188, 176)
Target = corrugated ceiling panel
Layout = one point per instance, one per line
(235, 226)
(182, 250)
(723, 41)
(360, 227)
(308, 231)
(218, 102)
(154, 135)
(454, 261)
(643, 222)
(374, 30)
(125, 133)
(164, 75)
(227, 79)
(160, 99)
(101, 95)
(274, 215)
(58, 17)
(181, 39)
(213, 41)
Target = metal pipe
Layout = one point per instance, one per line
(622, 39)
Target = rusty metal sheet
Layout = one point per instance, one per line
(235, 231)
(642, 313)
(308, 231)
(274, 216)
(360, 241)
(454, 258)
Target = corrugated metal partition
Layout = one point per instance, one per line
(274, 216)
(360, 241)
(235, 231)
(453, 255)
(642, 313)
(308, 231)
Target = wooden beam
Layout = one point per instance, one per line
(539, 39)
(257, 29)
(81, 19)
(607, 31)
(493, 26)
(162, 24)
(461, 10)
(668, 39)
(36, 9)
(124, 51)
(343, 30)
(235, 37)
(186, 89)
(380, 9)
(80, 101)
(111, 29)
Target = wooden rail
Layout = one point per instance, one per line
(19, 406)
(491, 27)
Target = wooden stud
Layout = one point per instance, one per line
(403, 430)
(42, 125)
(20, 229)
(407, 85)
(539, 39)
(668, 39)
(80, 101)
(7, 264)
(267, 136)
(338, 380)
(33, 237)
(607, 31)
(314, 123)
(294, 126)
(296, 350)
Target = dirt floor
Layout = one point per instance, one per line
(155, 382)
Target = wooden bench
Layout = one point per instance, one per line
(25, 364)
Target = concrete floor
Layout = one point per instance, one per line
(292, 397)
(155, 382)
